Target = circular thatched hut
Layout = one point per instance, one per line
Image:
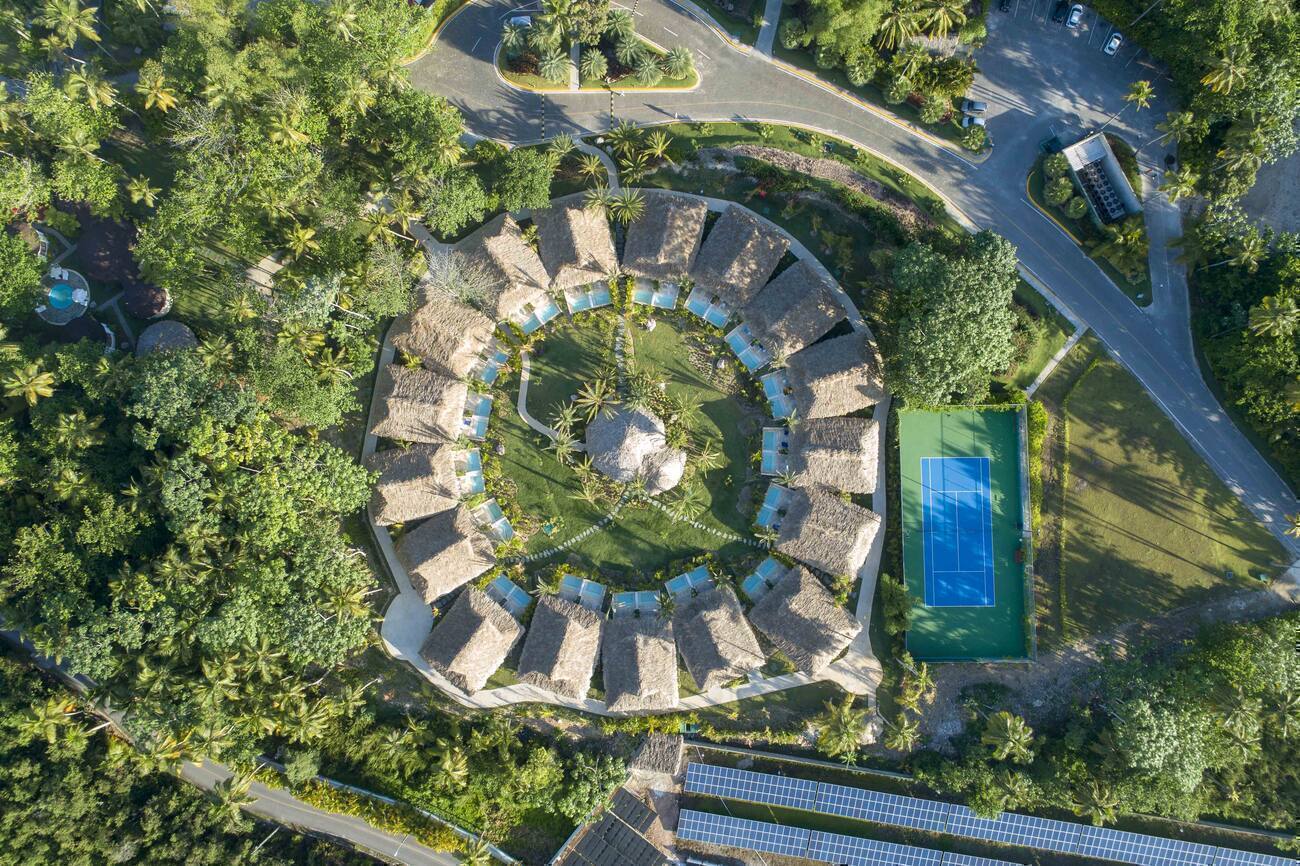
(144, 300)
(629, 444)
(165, 336)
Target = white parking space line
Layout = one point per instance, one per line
(1096, 25)
(1134, 57)
(475, 46)
(666, 30)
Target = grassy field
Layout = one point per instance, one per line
(1148, 527)
(640, 540)
(1049, 330)
(944, 633)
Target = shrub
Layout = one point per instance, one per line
(1076, 207)
(1059, 191)
(974, 138)
(895, 604)
(827, 57)
(974, 30)
(861, 64)
(1036, 422)
(935, 107)
(898, 91)
(1056, 165)
(793, 34)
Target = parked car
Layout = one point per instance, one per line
(1076, 15)
(971, 120)
(1058, 14)
(521, 21)
(1113, 44)
(974, 106)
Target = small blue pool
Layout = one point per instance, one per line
(60, 296)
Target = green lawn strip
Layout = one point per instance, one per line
(870, 92)
(945, 633)
(742, 29)
(1049, 331)
(1139, 291)
(1148, 527)
(533, 81)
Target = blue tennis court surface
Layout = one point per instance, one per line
(957, 517)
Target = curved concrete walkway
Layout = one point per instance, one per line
(521, 405)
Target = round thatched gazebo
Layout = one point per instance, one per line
(165, 336)
(144, 300)
(630, 444)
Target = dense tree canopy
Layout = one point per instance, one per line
(953, 320)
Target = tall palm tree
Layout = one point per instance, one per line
(897, 25)
(1293, 525)
(628, 205)
(840, 727)
(680, 62)
(1227, 72)
(648, 70)
(87, 83)
(30, 383)
(1098, 802)
(360, 96)
(1177, 125)
(1125, 244)
(44, 721)
(1276, 316)
(1249, 250)
(1284, 715)
(593, 65)
(942, 16)
(157, 93)
(554, 66)
(1180, 184)
(142, 191)
(1246, 160)
(69, 21)
(596, 397)
(231, 795)
(341, 16)
(904, 734)
(302, 240)
(1139, 94)
(1008, 737)
(453, 766)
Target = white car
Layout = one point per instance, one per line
(1113, 44)
(521, 21)
(1076, 15)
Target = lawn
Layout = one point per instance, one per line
(1048, 332)
(641, 540)
(1148, 527)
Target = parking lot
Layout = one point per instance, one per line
(1039, 76)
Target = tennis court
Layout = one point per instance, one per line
(958, 526)
(962, 533)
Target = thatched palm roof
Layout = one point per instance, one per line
(144, 300)
(640, 664)
(662, 244)
(446, 335)
(739, 256)
(471, 640)
(658, 753)
(561, 648)
(575, 245)
(517, 274)
(822, 530)
(793, 311)
(800, 616)
(445, 552)
(165, 336)
(839, 376)
(715, 641)
(413, 483)
(837, 452)
(418, 405)
(630, 443)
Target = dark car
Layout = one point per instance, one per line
(1058, 14)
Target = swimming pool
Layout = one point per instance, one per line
(664, 297)
(61, 296)
(714, 312)
(579, 590)
(491, 515)
(695, 579)
(771, 508)
(758, 583)
(775, 443)
(775, 385)
(492, 366)
(587, 299)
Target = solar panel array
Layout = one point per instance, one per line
(935, 816)
(742, 833)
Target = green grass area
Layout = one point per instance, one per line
(1088, 236)
(1048, 332)
(997, 631)
(740, 26)
(1148, 526)
(642, 539)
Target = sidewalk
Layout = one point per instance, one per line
(767, 33)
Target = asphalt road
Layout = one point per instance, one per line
(1039, 76)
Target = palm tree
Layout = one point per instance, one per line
(564, 444)
(283, 128)
(513, 38)
(231, 796)
(142, 191)
(74, 431)
(43, 721)
(87, 82)
(1099, 803)
(156, 92)
(1125, 244)
(31, 383)
(452, 764)
(341, 16)
(593, 65)
(403, 210)
(629, 52)
(648, 70)
(1248, 250)
(596, 397)
(904, 734)
(624, 136)
(360, 96)
(898, 24)
(302, 240)
(69, 21)
(1177, 125)
(554, 66)
(1180, 184)
(590, 167)
(619, 25)
(628, 205)
(599, 198)
(1293, 527)
(561, 146)
(840, 729)
(708, 456)
(657, 145)
(634, 166)
(1227, 72)
(1285, 713)
(941, 16)
(1009, 737)
(477, 854)
(1245, 160)
(1139, 94)
(689, 503)
(680, 62)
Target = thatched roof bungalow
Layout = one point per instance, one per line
(839, 376)
(575, 245)
(413, 483)
(715, 642)
(739, 256)
(837, 452)
(445, 552)
(471, 640)
(800, 617)
(793, 311)
(448, 336)
(144, 300)
(631, 443)
(640, 664)
(516, 274)
(418, 405)
(822, 530)
(662, 244)
(561, 648)
(167, 335)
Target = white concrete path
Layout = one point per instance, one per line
(771, 22)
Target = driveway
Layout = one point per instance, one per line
(1154, 343)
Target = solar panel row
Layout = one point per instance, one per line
(938, 817)
(742, 833)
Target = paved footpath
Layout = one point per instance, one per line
(1154, 343)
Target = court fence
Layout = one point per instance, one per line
(1027, 536)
